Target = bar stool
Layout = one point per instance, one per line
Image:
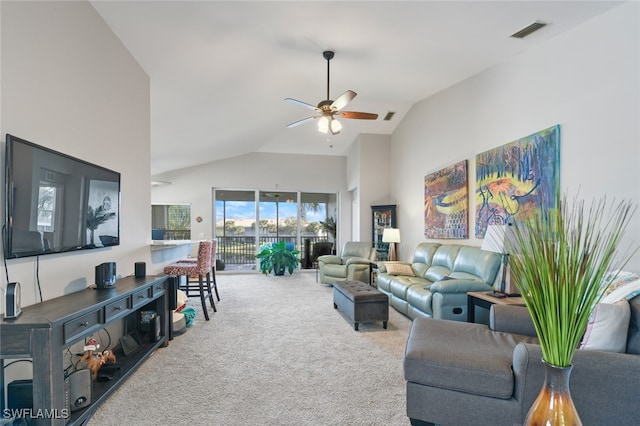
(202, 269)
(214, 284)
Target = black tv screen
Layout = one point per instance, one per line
(56, 203)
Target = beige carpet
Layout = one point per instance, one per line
(275, 353)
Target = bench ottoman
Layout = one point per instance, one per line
(361, 302)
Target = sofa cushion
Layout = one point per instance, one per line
(445, 256)
(400, 284)
(476, 361)
(356, 249)
(333, 270)
(436, 273)
(383, 281)
(420, 269)
(420, 297)
(424, 253)
(607, 328)
(477, 262)
(399, 269)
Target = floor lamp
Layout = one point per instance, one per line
(494, 241)
(391, 236)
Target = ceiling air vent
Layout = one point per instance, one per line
(389, 115)
(528, 29)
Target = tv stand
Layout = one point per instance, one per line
(44, 330)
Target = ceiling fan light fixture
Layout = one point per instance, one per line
(323, 124)
(335, 126)
(328, 108)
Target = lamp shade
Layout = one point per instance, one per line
(495, 239)
(391, 235)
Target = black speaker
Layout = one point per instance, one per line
(80, 389)
(173, 292)
(140, 269)
(106, 274)
(20, 394)
(13, 303)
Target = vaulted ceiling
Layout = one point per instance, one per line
(220, 70)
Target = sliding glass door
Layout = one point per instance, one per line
(247, 219)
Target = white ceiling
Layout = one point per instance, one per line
(220, 70)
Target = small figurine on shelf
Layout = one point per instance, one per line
(97, 360)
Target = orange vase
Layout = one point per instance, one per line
(554, 406)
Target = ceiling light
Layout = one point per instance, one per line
(323, 124)
(335, 127)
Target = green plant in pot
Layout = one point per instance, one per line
(277, 258)
(562, 261)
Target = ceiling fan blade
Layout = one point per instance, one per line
(299, 122)
(343, 100)
(359, 115)
(302, 104)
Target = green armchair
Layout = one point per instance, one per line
(353, 263)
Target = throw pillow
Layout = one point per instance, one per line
(625, 286)
(399, 269)
(608, 327)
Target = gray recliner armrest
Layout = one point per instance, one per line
(511, 319)
(357, 261)
(330, 258)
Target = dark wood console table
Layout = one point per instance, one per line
(44, 330)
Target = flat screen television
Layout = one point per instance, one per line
(56, 203)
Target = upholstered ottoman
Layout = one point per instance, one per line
(361, 302)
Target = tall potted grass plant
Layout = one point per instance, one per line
(561, 264)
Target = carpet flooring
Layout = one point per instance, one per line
(275, 353)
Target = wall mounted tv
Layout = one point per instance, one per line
(56, 203)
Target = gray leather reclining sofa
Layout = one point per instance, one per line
(470, 374)
(439, 279)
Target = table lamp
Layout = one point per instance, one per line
(391, 236)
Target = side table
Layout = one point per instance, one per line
(484, 300)
(373, 273)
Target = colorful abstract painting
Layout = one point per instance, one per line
(515, 180)
(446, 203)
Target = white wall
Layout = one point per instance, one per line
(70, 85)
(268, 172)
(368, 176)
(586, 80)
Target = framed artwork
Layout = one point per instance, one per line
(382, 217)
(446, 203)
(515, 180)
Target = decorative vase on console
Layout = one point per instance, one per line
(561, 263)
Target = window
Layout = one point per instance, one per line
(46, 208)
(171, 221)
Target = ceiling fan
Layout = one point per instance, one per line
(329, 109)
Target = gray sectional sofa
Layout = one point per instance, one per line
(436, 281)
(470, 374)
